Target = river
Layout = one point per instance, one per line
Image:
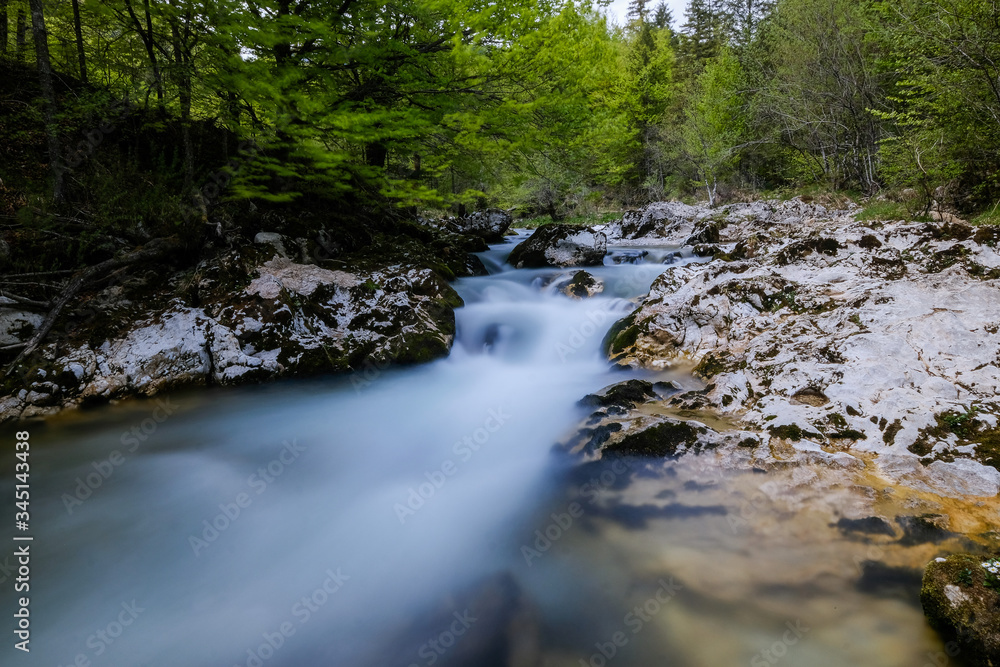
(421, 516)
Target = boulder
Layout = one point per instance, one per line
(16, 325)
(631, 419)
(580, 285)
(491, 224)
(278, 241)
(666, 221)
(560, 245)
(961, 600)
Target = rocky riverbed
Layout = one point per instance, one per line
(861, 344)
(858, 344)
(270, 307)
(811, 407)
(855, 363)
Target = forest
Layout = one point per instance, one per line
(392, 315)
(142, 119)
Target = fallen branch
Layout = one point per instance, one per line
(25, 301)
(152, 250)
(38, 274)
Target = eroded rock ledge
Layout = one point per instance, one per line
(866, 342)
(248, 315)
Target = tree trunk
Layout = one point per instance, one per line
(146, 35)
(48, 94)
(183, 81)
(3, 27)
(78, 29)
(21, 37)
(151, 52)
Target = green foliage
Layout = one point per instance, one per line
(386, 107)
(884, 211)
(944, 55)
(989, 217)
(715, 122)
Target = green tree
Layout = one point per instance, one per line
(745, 17)
(645, 93)
(703, 32)
(824, 88)
(943, 57)
(663, 17)
(715, 118)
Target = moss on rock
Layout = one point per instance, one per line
(622, 335)
(662, 440)
(962, 608)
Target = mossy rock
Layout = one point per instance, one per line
(662, 440)
(626, 394)
(800, 249)
(622, 335)
(962, 608)
(710, 366)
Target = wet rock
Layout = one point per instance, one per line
(828, 322)
(664, 439)
(581, 285)
(259, 316)
(629, 256)
(278, 241)
(490, 225)
(626, 394)
(962, 602)
(560, 245)
(475, 267)
(631, 419)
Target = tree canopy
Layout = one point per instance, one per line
(546, 106)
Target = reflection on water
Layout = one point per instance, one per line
(419, 516)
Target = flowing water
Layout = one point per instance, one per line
(351, 521)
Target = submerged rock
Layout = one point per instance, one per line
(560, 245)
(961, 600)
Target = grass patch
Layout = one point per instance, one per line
(885, 211)
(989, 217)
